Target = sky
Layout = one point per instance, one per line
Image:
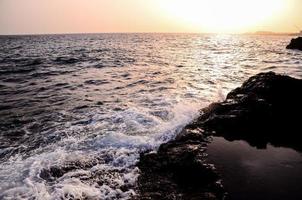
(95, 16)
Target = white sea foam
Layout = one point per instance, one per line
(116, 152)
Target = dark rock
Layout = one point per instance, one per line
(295, 44)
(178, 170)
(54, 172)
(265, 109)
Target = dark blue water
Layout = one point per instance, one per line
(76, 110)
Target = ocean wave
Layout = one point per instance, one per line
(96, 167)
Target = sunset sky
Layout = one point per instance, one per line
(94, 16)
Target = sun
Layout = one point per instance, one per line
(222, 15)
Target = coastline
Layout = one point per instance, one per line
(259, 112)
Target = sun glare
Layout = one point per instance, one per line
(222, 15)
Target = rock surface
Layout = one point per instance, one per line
(265, 109)
(178, 170)
(295, 44)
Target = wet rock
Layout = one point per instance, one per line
(295, 43)
(54, 172)
(178, 170)
(263, 110)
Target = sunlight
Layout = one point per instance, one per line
(221, 15)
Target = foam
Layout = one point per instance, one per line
(117, 151)
(74, 188)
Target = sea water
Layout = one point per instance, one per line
(77, 110)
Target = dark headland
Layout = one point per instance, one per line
(295, 43)
(264, 110)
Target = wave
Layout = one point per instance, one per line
(91, 166)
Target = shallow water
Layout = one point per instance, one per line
(250, 173)
(87, 105)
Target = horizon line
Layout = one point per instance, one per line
(210, 33)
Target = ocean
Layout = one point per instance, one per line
(77, 110)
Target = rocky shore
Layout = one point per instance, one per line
(265, 109)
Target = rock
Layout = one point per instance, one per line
(265, 109)
(178, 170)
(54, 172)
(295, 44)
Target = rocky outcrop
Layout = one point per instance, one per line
(295, 44)
(265, 109)
(178, 170)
